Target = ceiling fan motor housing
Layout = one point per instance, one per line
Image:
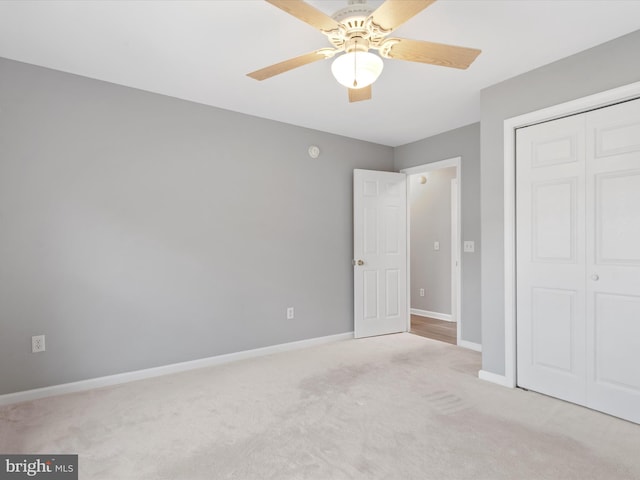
(357, 32)
(357, 9)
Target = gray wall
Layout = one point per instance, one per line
(139, 230)
(604, 67)
(462, 142)
(430, 212)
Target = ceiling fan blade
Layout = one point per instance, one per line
(429, 52)
(359, 94)
(393, 13)
(308, 14)
(292, 63)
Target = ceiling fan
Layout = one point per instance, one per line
(359, 28)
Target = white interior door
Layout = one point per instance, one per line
(613, 259)
(380, 252)
(578, 259)
(550, 258)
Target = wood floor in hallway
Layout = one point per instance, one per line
(435, 329)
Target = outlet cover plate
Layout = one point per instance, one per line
(37, 344)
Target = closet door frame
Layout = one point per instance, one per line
(580, 105)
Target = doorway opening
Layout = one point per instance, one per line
(433, 256)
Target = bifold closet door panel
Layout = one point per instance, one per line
(613, 259)
(550, 225)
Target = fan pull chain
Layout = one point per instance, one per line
(355, 69)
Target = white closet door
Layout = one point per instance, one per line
(613, 259)
(550, 202)
(578, 259)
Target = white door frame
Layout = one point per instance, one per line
(455, 254)
(572, 107)
(426, 168)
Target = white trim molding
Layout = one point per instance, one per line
(470, 345)
(438, 316)
(591, 102)
(126, 377)
(494, 378)
(429, 167)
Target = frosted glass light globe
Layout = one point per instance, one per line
(357, 69)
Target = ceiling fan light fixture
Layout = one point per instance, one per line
(357, 69)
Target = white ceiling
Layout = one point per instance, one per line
(201, 51)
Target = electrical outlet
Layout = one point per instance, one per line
(469, 246)
(290, 313)
(37, 344)
(422, 292)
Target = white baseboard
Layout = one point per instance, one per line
(470, 345)
(495, 378)
(438, 316)
(126, 377)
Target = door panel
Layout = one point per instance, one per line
(553, 317)
(613, 259)
(391, 226)
(554, 217)
(617, 326)
(617, 199)
(380, 242)
(370, 235)
(550, 275)
(393, 293)
(619, 136)
(371, 297)
(555, 151)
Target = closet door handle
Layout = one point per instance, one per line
(595, 277)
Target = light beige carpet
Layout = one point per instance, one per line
(391, 407)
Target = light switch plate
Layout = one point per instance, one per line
(436, 245)
(469, 246)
